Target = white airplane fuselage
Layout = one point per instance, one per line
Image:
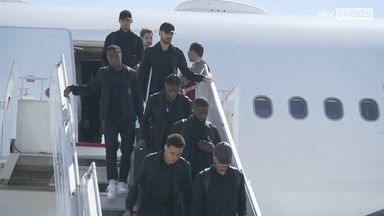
(309, 166)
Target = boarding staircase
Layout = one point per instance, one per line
(216, 115)
(109, 207)
(74, 177)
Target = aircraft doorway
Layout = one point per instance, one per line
(87, 63)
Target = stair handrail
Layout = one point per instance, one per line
(84, 181)
(67, 181)
(8, 126)
(208, 90)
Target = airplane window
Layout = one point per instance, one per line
(369, 109)
(333, 108)
(262, 107)
(298, 108)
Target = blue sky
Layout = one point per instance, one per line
(275, 7)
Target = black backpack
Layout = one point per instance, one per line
(207, 179)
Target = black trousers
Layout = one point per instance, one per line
(126, 128)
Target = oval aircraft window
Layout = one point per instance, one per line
(333, 108)
(262, 107)
(298, 108)
(369, 109)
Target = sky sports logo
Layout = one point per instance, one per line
(347, 14)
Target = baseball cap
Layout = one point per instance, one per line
(223, 153)
(125, 14)
(167, 27)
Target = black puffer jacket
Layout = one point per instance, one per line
(153, 124)
(181, 189)
(131, 100)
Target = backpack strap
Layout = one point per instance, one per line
(129, 71)
(209, 131)
(135, 58)
(207, 179)
(183, 126)
(174, 60)
(238, 176)
(113, 37)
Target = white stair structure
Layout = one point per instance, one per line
(41, 172)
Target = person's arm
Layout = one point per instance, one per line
(145, 124)
(88, 89)
(183, 67)
(134, 190)
(136, 94)
(241, 199)
(107, 43)
(144, 71)
(217, 137)
(198, 196)
(127, 213)
(187, 108)
(209, 145)
(176, 128)
(139, 49)
(187, 187)
(206, 70)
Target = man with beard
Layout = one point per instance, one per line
(161, 60)
(146, 35)
(200, 136)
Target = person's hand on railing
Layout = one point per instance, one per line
(208, 79)
(141, 144)
(127, 213)
(67, 91)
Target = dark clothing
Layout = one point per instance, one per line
(131, 46)
(148, 179)
(120, 103)
(170, 116)
(90, 124)
(225, 196)
(128, 100)
(112, 127)
(156, 120)
(163, 63)
(162, 188)
(192, 132)
(115, 95)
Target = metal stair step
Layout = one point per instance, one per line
(117, 203)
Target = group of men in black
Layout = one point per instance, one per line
(184, 147)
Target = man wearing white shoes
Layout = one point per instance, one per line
(120, 106)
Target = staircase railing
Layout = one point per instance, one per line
(8, 127)
(216, 115)
(67, 181)
(91, 205)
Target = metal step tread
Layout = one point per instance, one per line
(117, 203)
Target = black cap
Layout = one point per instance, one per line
(223, 153)
(125, 14)
(167, 27)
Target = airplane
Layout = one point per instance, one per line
(301, 105)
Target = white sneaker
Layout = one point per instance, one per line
(112, 189)
(122, 188)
